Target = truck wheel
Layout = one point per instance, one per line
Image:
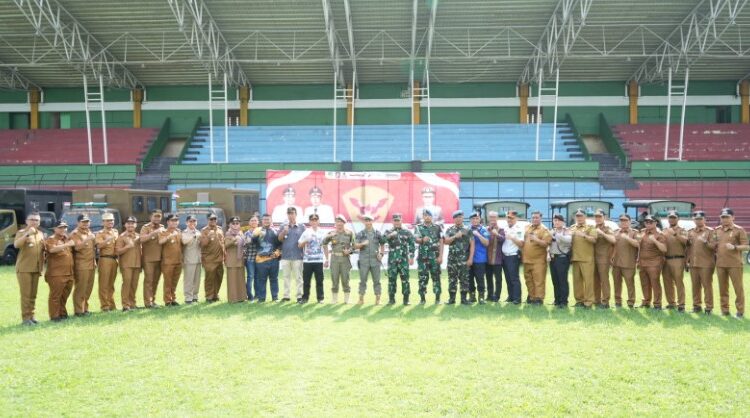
(9, 256)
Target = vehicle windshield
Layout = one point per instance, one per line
(71, 217)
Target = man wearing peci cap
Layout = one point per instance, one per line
(582, 260)
(430, 255)
(702, 260)
(653, 246)
(324, 212)
(151, 253)
(603, 248)
(624, 260)
(84, 254)
(370, 244)
(290, 198)
(171, 258)
(291, 255)
(460, 256)
(559, 251)
(105, 243)
(212, 258)
(674, 266)
(59, 273)
(730, 241)
(191, 260)
(29, 265)
(400, 257)
(428, 202)
(341, 241)
(128, 249)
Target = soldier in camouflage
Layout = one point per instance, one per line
(429, 256)
(400, 256)
(460, 256)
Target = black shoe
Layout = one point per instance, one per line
(188, 302)
(739, 315)
(34, 321)
(697, 309)
(631, 306)
(437, 299)
(464, 299)
(80, 315)
(657, 308)
(681, 309)
(285, 300)
(451, 299)
(670, 307)
(391, 299)
(406, 300)
(725, 313)
(707, 312)
(516, 302)
(28, 322)
(126, 309)
(422, 299)
(645, 306)
(301, 301)
(603, 306)
(473, 298)
(562, 306)
(58, 319)
(618, 305)
(481, 301)
(579, 305)
(509, 300)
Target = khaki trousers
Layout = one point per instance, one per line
(702, 279)
(28, 283)
(59, 291)
(191, 282)
(130, 277)
(171, 273)
(213, 278)
(107, 275)
(620, 274)
(535, 276)
(650, 285)
(734, 274)
(673, 275)
(583, 282)
(84, 284)
(602, 290)
(151, 273)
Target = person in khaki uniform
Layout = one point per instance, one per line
(105, 243)
(624, 260)
(128, 248)
(212, 258)
(171, 258)
(234, 243)
(84, 253)
(702, 261)
(534, 253)
(29, 265)
(341, 241)
(730, 241)
(674, 266)
(582, 260)
(151, 258)
(59, 274)
(191, 260)
(603, 248)
(652, 248)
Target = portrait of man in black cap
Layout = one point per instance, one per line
(324, 212)
(290, 199)
(428, 203)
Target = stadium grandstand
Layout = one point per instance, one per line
(530, 100)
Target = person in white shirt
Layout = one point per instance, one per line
(314, 255)
(512, 257)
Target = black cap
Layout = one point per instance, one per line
(672, 214)
(131, 219)
(61, 224)
(474, 215)
(396, 217)
(458, 213)
(699, 214)
(313, 216)
(83, 218)
(171, 216)
(234, 219)
(426, 212)
(316, 190)
(649, 218)
(580, 212)
(211, 216)
(559, 217)
(190, 218)
(156, 212)
(726, 212)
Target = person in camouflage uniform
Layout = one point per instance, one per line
(400, 256)
(429, 256)
(370, 243)
(460, 256)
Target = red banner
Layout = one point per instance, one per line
(355, 194)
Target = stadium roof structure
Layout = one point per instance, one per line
(171, 42)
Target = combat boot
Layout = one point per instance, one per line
(451, 298)
(437, 298)
(464, 299)
(473, 297)
(422, 299)
(391, 298)
(481, 298)
(406, 300)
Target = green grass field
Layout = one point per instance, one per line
(324, 360)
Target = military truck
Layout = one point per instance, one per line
(15, 204)
(120, 202)
(229, 202)
(637, 209)
(568, 209)
(502, 207)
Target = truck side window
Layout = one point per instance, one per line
(165, 204)
(137, 204)
(151, 203)
(6, 220)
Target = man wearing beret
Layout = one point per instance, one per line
(430, 255)
(460, 256)
(702, 261)
(730, 241)
(370, 243)
(84, 254)
(400, 257)
(105, 243)
(674, 266)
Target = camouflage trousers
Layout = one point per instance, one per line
(428, 266)
(458, 272)
(395, 270)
